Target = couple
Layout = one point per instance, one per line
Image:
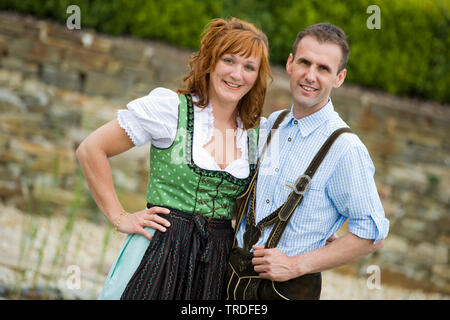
(179, 246)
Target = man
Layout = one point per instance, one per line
(343, 186)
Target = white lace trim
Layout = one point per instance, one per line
(204, 129)
(141, 126)
(203, 125)
(241, 139)
(128, 123)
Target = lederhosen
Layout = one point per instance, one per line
(242, 282)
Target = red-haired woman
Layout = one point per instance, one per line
(201, 159)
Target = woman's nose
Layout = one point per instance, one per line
(236, 72)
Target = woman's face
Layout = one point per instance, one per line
(233, 76)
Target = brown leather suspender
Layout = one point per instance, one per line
(244, 198)
(281, 216)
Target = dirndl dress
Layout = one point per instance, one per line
(188, 261)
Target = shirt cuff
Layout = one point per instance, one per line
(373, 227)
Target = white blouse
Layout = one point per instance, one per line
(155, 118)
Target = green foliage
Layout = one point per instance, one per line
(408, 55)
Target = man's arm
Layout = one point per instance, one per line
(274, 265)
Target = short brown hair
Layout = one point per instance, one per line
(222, 37)
(325, 32)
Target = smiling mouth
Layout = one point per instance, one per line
(307, 88)
(232, 85)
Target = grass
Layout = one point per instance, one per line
(41, 266)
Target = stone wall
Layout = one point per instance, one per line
(57, 85)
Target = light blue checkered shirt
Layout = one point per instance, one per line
(342, 188)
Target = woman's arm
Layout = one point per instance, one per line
(93, 153)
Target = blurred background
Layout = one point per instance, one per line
(59, 83)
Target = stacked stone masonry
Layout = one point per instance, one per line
(57, 85)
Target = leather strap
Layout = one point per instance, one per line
(252, 185)
(296, 196)
(281, 216)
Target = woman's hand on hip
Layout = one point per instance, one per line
(136, 222)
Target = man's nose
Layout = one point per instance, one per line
(310, 75)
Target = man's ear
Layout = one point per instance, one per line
(340, 78)
(289, 64)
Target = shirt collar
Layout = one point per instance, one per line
(308, 124)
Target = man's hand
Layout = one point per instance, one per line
(273, 264)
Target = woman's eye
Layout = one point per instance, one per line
(250, 68)
(227, 60)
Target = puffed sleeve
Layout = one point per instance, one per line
(151, 118)
(353, 191)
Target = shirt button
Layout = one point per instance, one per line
(276, 169)
(289, 139)
(295, 122)
(267, 200)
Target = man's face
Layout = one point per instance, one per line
(313, 74)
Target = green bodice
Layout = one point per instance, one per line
(175, 181)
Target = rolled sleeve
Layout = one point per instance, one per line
(353, 191)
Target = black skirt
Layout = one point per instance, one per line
(187, 262)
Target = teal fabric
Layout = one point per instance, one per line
(126, 263)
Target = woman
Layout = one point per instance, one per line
(201, 160)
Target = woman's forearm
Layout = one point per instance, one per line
(93, 153)
(97, 171)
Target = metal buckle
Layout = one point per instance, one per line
(294, 188)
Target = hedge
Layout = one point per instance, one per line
(408, 55)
